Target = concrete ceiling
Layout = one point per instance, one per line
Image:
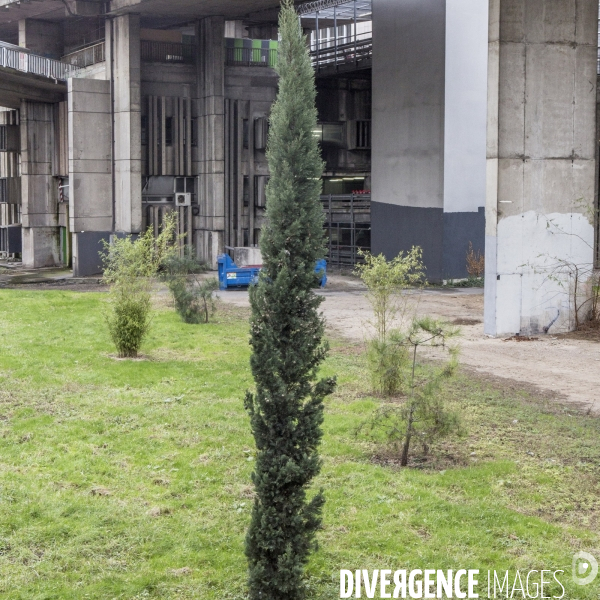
(231, 9)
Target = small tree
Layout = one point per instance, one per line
(192, 295)
(386, 280)
(422, 416)
(129, 268)
(286, 411)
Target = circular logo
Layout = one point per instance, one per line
(585, 568)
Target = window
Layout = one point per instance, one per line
(2, 137)
(168, 131)
(245, 133)
(144, 131)
(246, 191)
(194, 132)
(3, 192)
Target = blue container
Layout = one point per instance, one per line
(232, 276)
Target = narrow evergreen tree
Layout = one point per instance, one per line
(287, 336)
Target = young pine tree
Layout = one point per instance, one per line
(286, 410)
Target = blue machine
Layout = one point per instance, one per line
(232, 276)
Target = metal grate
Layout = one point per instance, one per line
(251, 57)
(347, 227)
(168, 52)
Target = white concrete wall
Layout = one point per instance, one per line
(541, 160)
(465, 106)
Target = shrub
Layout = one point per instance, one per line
(422, 416)
(193, 297)
(385, 281)
(475, 263)
(129, 268)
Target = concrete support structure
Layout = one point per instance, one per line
(211, 127)
(42, 37)
(123, 69)
(38, 190)
(541, 160)
(429, 128)
(90, 171)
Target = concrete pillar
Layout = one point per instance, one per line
(210, 224)
(90, 172)
(429, 130)
(123, 69)
(38, 187)
(541, 168)
(42, 37)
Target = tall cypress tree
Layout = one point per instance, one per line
(286, 411)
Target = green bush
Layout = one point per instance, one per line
(193, 297)
(385, 362)
(129, 268)
(422, 416)
(387, 282)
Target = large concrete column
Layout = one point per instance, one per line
(211, 126)
(429, 130)
(123, 69)
(541, 168)
(90, 173)
(38, 188)
(42, 37)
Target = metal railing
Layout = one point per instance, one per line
(251, 57)
(36, 65)
(349, 56)
(86, 57)
(168, 52)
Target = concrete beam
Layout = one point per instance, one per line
(15, 87)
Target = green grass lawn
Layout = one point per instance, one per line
(131, 479)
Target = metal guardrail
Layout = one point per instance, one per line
(168, 52)
(36, 65)
(352, 55)
(251, 57)
(86, 57)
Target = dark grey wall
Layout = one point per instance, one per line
(89, 245)
(460, 228)
(408, 102)
(444, 237)
(397, 229)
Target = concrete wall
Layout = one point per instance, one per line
(42, 37)
(38, 187)
(541, 168)
(429, 130)
(124, 70)
(210, 165)
(90, 170)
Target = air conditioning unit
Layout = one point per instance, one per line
(182, 199)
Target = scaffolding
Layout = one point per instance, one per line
(347, 227)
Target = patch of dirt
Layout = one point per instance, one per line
(521, 338)
(563, 369)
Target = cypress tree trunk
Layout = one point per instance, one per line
(287, 336)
